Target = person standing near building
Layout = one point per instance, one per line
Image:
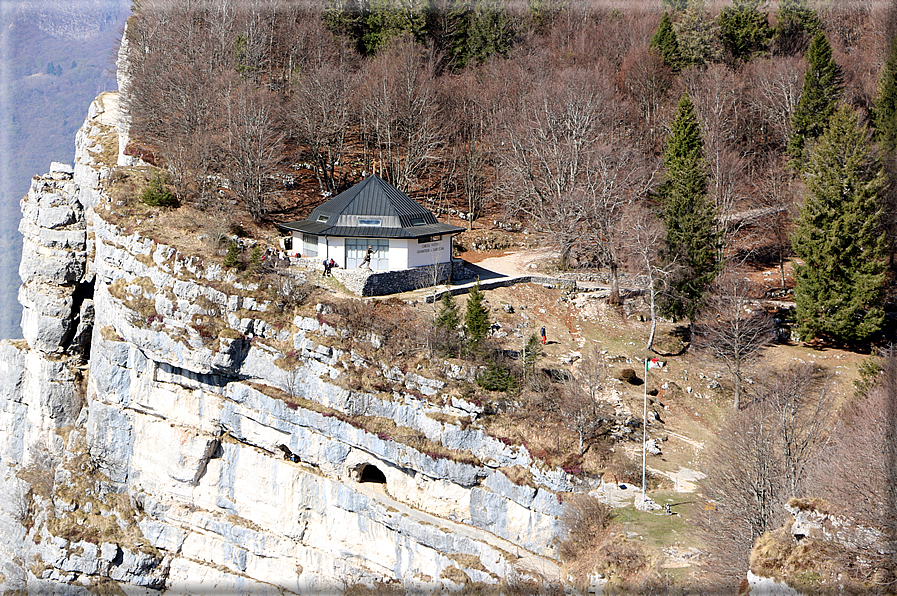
(366, 261)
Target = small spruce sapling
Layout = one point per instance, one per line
(232, 259)
(156, 195)
(476, 319)
(448, 318)
(255, 260)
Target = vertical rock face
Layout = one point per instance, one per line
(151, 437)
(53, 295)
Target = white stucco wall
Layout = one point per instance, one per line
(403, 254)
(429, 253)
(333, 248)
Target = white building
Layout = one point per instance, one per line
(402, 233)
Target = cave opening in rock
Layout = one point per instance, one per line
(369, 473)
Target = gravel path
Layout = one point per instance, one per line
(517, 263)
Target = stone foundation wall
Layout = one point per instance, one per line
(382, 283)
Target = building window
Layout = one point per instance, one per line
(417, 221)
(356, 248)
(372, 223)
(309, 245)
(323, 218)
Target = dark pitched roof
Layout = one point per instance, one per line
(371, 199)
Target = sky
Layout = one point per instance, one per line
(56, 56)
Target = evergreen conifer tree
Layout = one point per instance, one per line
(696, 34)
(476, 318)
(823, 84)
(447, 318)
(676, 5)
(666, 43)
(232, 258)
(884, 114)
(688, 217)
(478, 31)
(255, 259)
(795, 21)
(840, 285)
(744, 29)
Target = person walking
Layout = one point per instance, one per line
(366, 261)
(327, 268)
(543, 336)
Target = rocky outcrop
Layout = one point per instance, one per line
(820, 550)
(163, 427)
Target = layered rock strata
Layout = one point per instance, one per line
(154, 436)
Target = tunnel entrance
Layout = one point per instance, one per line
(369, 473)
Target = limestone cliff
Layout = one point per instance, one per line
(152, 434)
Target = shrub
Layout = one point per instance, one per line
(497, 377)
(156, 195)
(584, 523)
(255, 259)
(233, 256)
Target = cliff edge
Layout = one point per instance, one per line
(161, 428)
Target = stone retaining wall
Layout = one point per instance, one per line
(382, 283)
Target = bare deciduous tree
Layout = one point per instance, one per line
(644, 234)
(801, 401)
(321, 114)
(618, 177)
(253, 146)
(548, 150)
(775, 198)
(775, 89)
(742, 488)
(760, 460)
(734, 329)
(857, 473)
(400, 111)
(582, 409)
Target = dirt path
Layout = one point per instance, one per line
(516, 263)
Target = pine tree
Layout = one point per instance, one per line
(840, 285)
(795, 21)
(688, 216)
(666, 43)
(478, 30)
(696, 34)
(255, 259)
(447, 318)
(232, 259)
(476, 319)
(744, 29)
(884, 115)
(819, 97)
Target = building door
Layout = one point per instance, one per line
(357, 247)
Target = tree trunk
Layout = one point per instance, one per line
(614, 297)
(782, 267)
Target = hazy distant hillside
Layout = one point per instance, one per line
(56, 56)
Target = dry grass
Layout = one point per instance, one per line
(519, 476)
(454, 574)
(584, 525)
(385, 428)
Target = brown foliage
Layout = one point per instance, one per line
(856, 473)
(759, 461)
(395, 327)
(584, 525)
